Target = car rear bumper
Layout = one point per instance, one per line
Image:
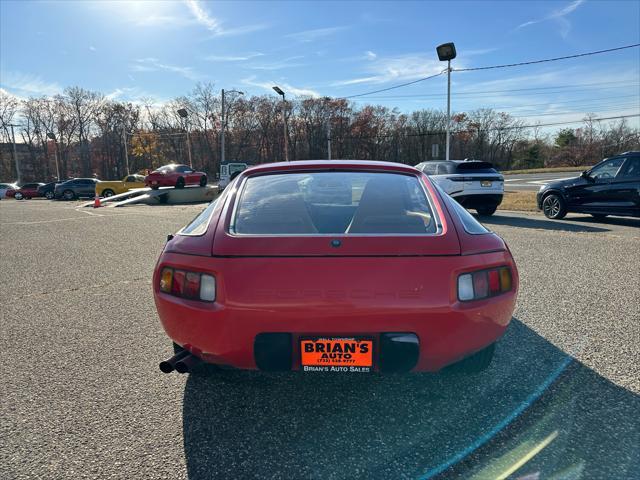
(479, 200)
(236, 331)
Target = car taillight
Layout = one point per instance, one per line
(484, 284)
(190, 285)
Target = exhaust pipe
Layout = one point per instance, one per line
(169, 365)
(187, 363)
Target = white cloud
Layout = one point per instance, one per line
(311, 35)
(287, 88)
(401, 68)
(28, 84)
(151, 64)
(558, 16)
(92, 48)
(233, 58)
(369, 55)
(201, 15)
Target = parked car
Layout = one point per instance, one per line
(402, 278)
(612, 187)
(175, 175)
(75, 188)
(47, 190)
(474, 184)
(110, 188)
(27, 191)
(9, 188)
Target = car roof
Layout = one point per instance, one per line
(331, 165)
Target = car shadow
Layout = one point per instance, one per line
(620, 221)
(240, 424)
(539, 223)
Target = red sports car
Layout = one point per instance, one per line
(338, 266)
(27, 191)
(174, 175)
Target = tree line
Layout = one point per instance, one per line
(88, 132)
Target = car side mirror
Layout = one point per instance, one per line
(586, 176)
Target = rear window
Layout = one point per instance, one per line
(166, 169)
(327, 203)
(474, 167)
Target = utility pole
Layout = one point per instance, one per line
(126, 153)
(15, 153)
(223, 122)
(329, 139)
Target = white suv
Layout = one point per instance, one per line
(474, 184)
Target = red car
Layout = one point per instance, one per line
(27, 191)
(338, 266)
(174, 175)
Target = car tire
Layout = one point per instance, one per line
(107, 192)
(476, 363)
(486, 211)
(18, 196)
(203, 181)
(68, 195)
(180, 183)
(554, 207)
(49, 195)
(599, 216)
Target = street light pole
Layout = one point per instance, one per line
(279, 91)
(185, 115)
(447, 52)
(448, 106)
(222, 159)
(15, 153)
(52, 136)
(329, 139)
(126, 153)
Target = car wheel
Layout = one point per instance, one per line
(18, 196)
(68, 195)
(180, 183)
(203, 180)
(599, 216)
(476, 363)
(49, 195)
(108, 193)
(486, 210)
(554, 207)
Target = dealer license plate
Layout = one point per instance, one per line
(336, 355)
(485, 183)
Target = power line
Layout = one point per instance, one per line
(395, 86)
(546, 59)
(561, 89)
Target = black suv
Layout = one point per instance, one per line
(612, 187)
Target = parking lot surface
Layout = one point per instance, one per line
(82, 396)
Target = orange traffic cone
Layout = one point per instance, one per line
(96, 201)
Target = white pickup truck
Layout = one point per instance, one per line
(229, 171)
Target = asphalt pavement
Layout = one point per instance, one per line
(82, 396)
(533, 181)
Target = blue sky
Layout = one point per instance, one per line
(160, 49)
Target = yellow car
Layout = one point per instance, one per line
(110, 188)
